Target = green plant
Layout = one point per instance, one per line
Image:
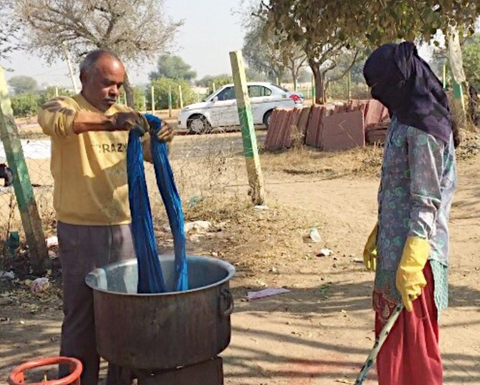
(25, 104)
(163, 85)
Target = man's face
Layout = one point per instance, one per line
(102, 84)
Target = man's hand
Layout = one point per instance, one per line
(159, 129)
(126, 121)
(166, 133)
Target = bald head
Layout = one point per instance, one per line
(102, 75)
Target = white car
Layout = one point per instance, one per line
(220, 108)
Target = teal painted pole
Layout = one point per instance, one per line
(27, 205)
(254, 170)
(444, 76)
(170, 101)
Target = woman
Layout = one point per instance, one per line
(409, 245)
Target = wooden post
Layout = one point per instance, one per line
(153, 100)
(349, 86)
(180, 95)
(444, 76)
(458, 94)
(213, 87)
(21, 183)
(314, 96)
(170, 101)
(70, 68)
(56, 92)
(254, 170)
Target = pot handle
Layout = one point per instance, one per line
(226, 303)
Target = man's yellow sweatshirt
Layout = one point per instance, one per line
(89, 169)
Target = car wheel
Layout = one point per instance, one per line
(198, 124)
(267, 118)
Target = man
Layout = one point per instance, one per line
(89, 134)
(409, 246)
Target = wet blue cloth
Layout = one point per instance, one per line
(150, 276)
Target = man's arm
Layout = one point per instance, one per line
(60, 117)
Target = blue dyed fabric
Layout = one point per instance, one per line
(150, 275)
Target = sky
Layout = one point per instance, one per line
(212, 28)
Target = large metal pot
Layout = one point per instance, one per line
(162, 331)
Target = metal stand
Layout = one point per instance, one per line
(205, 373)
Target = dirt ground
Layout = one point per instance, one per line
(322, 330)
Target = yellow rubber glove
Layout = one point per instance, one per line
(410, 278)
(370, 251)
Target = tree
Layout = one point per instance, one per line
(324, 28)
(343, 64)
(8, 29)
(163, 85)
(136, 30)
(22, 84)
(140, 98)
(260, 56)
(25, 105)
(263, 54)
(51, 91)
(302, 23)
(255, 76)
(471, 60)
(219, 81)
(173, 67)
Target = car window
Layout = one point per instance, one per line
(258, 91)
(227, 94)
(282, 88)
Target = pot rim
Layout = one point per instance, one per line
(93, 275)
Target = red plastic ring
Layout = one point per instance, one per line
(17, 376)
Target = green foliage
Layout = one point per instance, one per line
(374, 22)
(162, 86)
(139, 99)
(323, 28)
(25, 104)
(23, 84)
(264, 54)
(471, 60)
(172, 67)
(255, 76)
(51, 92)
(218, 80)
(207, 80)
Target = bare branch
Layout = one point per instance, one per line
(135, 30)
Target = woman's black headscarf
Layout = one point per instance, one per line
(405, 84)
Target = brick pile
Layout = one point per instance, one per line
(329, 127)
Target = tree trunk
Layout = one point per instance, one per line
(294, 74)
(129, 92)
(319, 86)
